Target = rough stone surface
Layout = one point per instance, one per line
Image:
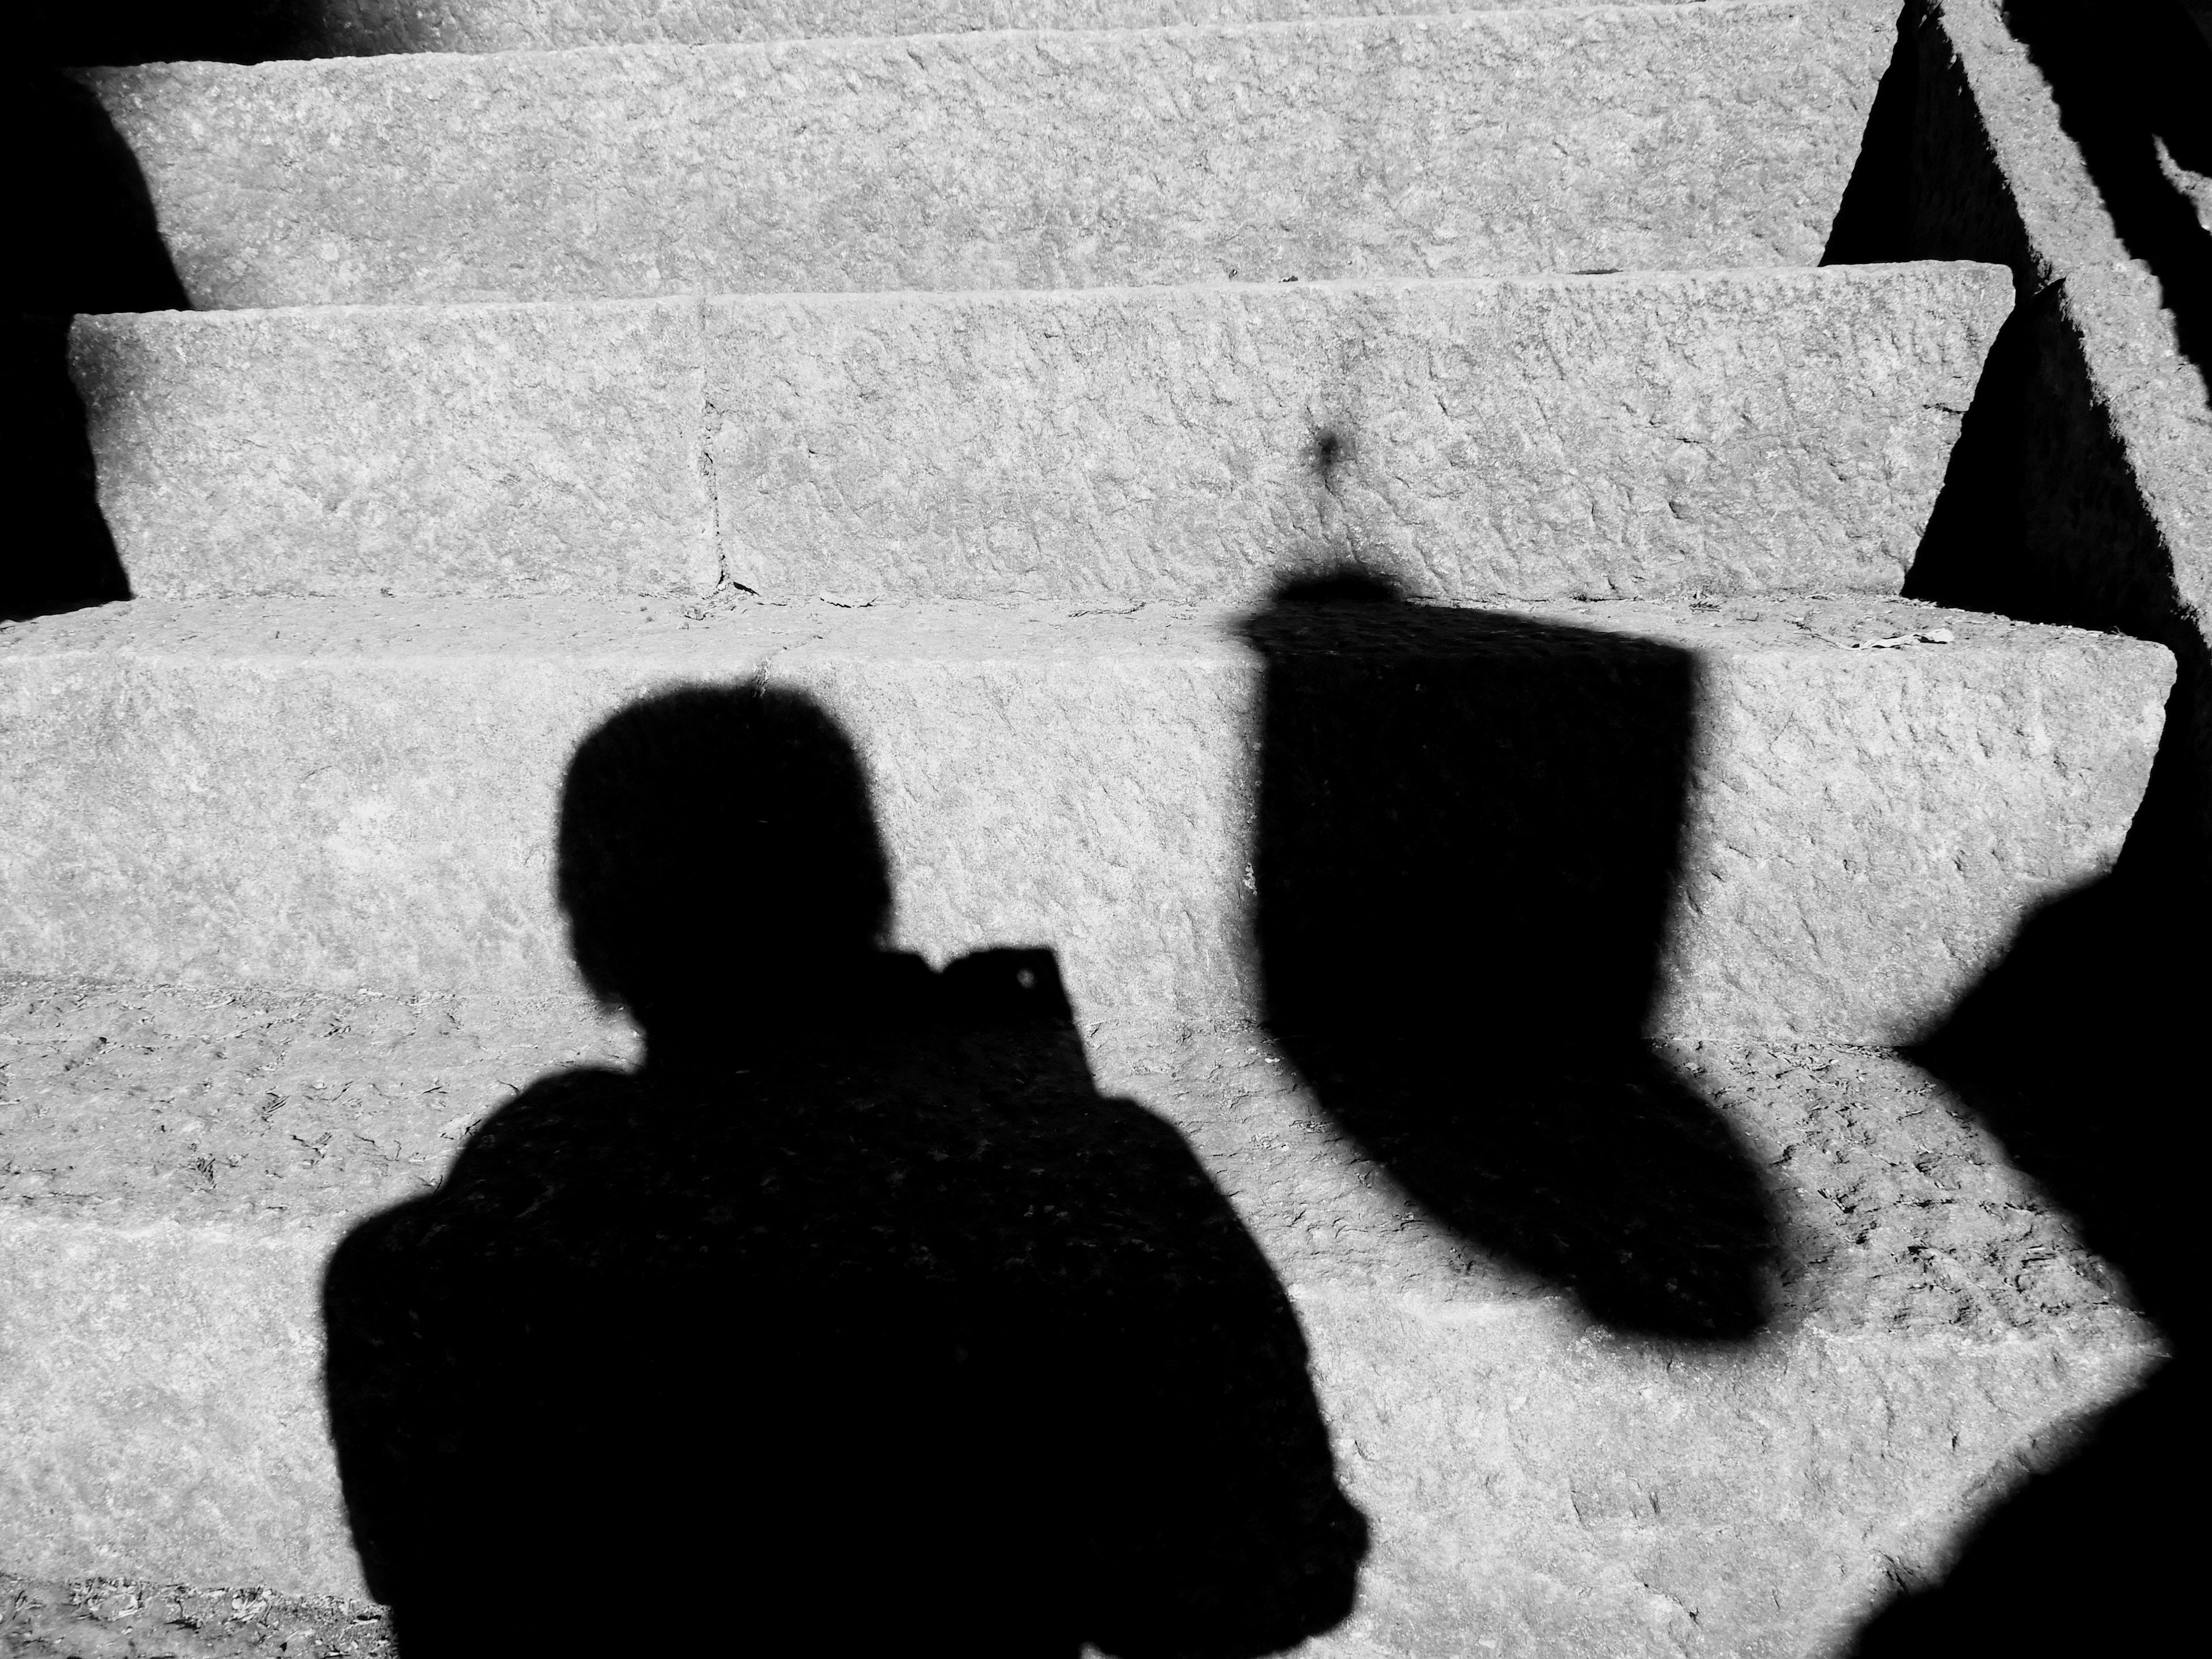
(367, 27)
(1533, 438)
(1701, 136)
(178, 1161)
(527, 448)
(91, 1617)
(361, 794)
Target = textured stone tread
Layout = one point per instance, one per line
(1528, 438)
(164, 1215)
(1701, 136)
(356, 793)
(132, 1105)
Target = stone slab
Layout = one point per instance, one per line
(1826, 824)
(528, 448)
(1529, 438)
(179, 1163)
(365, 27)
(1678, 137)
(1584, 437)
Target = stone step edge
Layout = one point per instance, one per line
(1049, 777)
(1496, 15)
(195, 1450)
(342, 36)
(662, 445)
(1668, 275)
(260, 1116)
(484, 189)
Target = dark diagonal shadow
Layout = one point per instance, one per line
(84, 241)
(1468, 830)
(856, 1316)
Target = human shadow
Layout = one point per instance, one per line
(855, 1315)
(1470, 826)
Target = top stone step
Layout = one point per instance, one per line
(1672, 137)
(368, 27)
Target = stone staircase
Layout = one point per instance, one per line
(1211, 459)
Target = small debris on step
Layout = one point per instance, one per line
(1921, 636)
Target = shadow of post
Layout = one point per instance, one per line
(856, 1312)
(1469, 824)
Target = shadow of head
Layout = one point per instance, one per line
(719, 865)
(1469, 831)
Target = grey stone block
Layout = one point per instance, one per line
(1534, 438)
(180, 1164)
(361, 794)
(1682, 136)
(524, 448)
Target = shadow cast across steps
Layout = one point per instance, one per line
(858, 1306)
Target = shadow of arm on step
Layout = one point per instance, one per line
(1468, 832)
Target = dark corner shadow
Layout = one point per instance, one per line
(1469, 824)
(1874, 221)
(856, 1313)
(162, 30)
(2129, 76)
(84, 240)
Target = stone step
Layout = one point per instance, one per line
(1529, 438)
(367, 27)
(1704, 136)
(181, 1164)
(1806, 816)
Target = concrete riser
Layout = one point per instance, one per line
(1759, 1499)
(1689, 137)
(1613, 815)
(1534, 439)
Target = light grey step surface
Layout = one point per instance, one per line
(1834, 812)
(364, 27)
(1674, 136)
(1528, 438)
(180, 1164)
